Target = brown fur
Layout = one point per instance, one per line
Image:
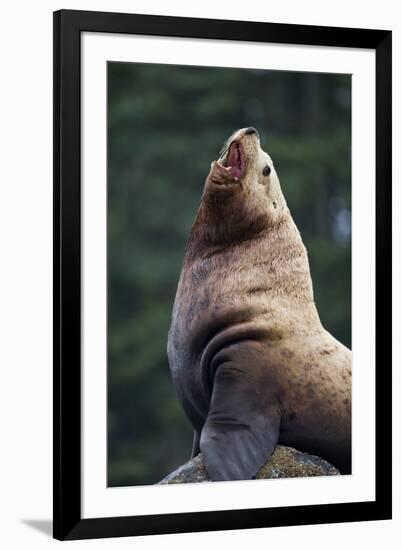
(245, 295)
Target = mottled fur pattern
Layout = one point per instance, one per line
(245, 306)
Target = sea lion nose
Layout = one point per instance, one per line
(251, 130)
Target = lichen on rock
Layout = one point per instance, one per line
(285, 462)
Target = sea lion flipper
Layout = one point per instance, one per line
(240, 432)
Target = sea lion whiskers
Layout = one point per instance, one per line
(225, 146)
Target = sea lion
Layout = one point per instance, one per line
(250, 360)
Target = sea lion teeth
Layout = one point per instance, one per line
(250, 360)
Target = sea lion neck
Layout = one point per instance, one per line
(276, 253)
(225, 220)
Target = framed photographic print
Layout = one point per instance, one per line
(222, 242)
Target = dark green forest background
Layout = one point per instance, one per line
(166, 124)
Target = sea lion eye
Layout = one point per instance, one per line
(266, 171)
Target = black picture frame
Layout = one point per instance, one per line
(68, 26)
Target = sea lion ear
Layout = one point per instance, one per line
(240, 433)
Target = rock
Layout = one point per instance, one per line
(284, 462)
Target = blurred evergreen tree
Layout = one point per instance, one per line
(165, 125)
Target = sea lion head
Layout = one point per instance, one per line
(242, 194)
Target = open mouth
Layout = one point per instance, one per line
(234, 162)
